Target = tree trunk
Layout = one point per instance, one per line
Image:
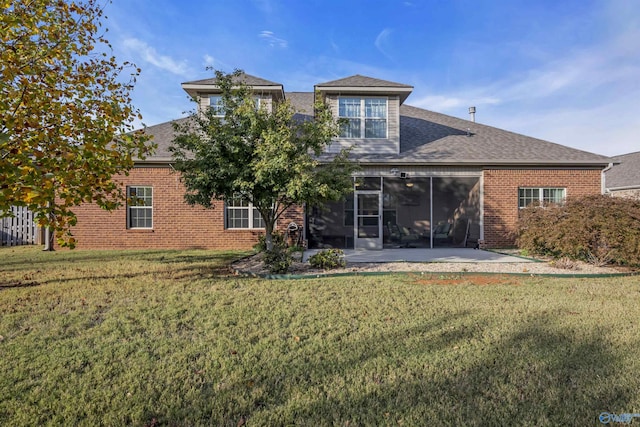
(268, 238)
(48, 232)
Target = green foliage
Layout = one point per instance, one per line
(328, 259)
(65, 112)
(277, 240)
(597, 229)
(267, 157)
(278, 259)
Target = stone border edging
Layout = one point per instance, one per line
(422, 273)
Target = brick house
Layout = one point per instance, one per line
(623, 178)
(426, 180)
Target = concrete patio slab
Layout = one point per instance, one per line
(424, 255)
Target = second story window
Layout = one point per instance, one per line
(367, 117)
(215, 103)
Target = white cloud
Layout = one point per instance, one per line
(272, 40)
(382, 42)
(208, 60)
(444, 103)
(587, 99)
(609, 129)
(150, 55)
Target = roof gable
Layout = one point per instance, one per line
(363, 85)
(256, 83)
(243, 78)
(363, 81)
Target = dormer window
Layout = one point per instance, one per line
(367, 117)
(216, 104)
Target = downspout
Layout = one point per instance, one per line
(603, 179)
(481, 238)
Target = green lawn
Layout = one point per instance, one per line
(168, 338)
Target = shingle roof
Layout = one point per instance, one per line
(363, 81)
(427, 138)
(162, 136)
(626, 174)
(244, 78)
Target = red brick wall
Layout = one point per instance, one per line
(501, 195)
(176, 224)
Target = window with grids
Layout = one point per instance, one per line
(216, 104)
(543, 196)
(366, 117)
(139, 207)
(241, 214)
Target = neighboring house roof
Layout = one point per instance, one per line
(427, 137)
(625, 174)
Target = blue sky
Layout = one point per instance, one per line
(566, 71)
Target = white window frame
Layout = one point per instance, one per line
(251, 215)
(526, 199)
(133, 207)
(218, 106)
(363, 117)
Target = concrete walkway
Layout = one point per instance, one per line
(423, 255)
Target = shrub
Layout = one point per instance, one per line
(328, 259)
(278, 260)
(596, 229)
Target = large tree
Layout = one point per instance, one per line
(266, 157)
(65, 111)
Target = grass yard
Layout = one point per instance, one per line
(152, 338)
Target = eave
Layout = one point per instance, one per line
(567, 164)
(196, 89)
(402, 92)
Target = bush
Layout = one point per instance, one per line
(596, 229)
(278, 260)
(328, 259)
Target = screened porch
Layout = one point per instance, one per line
(399, 212)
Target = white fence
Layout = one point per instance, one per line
(20, 229)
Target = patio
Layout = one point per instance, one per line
(461, 255)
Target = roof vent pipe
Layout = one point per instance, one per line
(472, 114)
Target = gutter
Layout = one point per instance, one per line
(626, 187)
(164, 161)
(489, 163)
